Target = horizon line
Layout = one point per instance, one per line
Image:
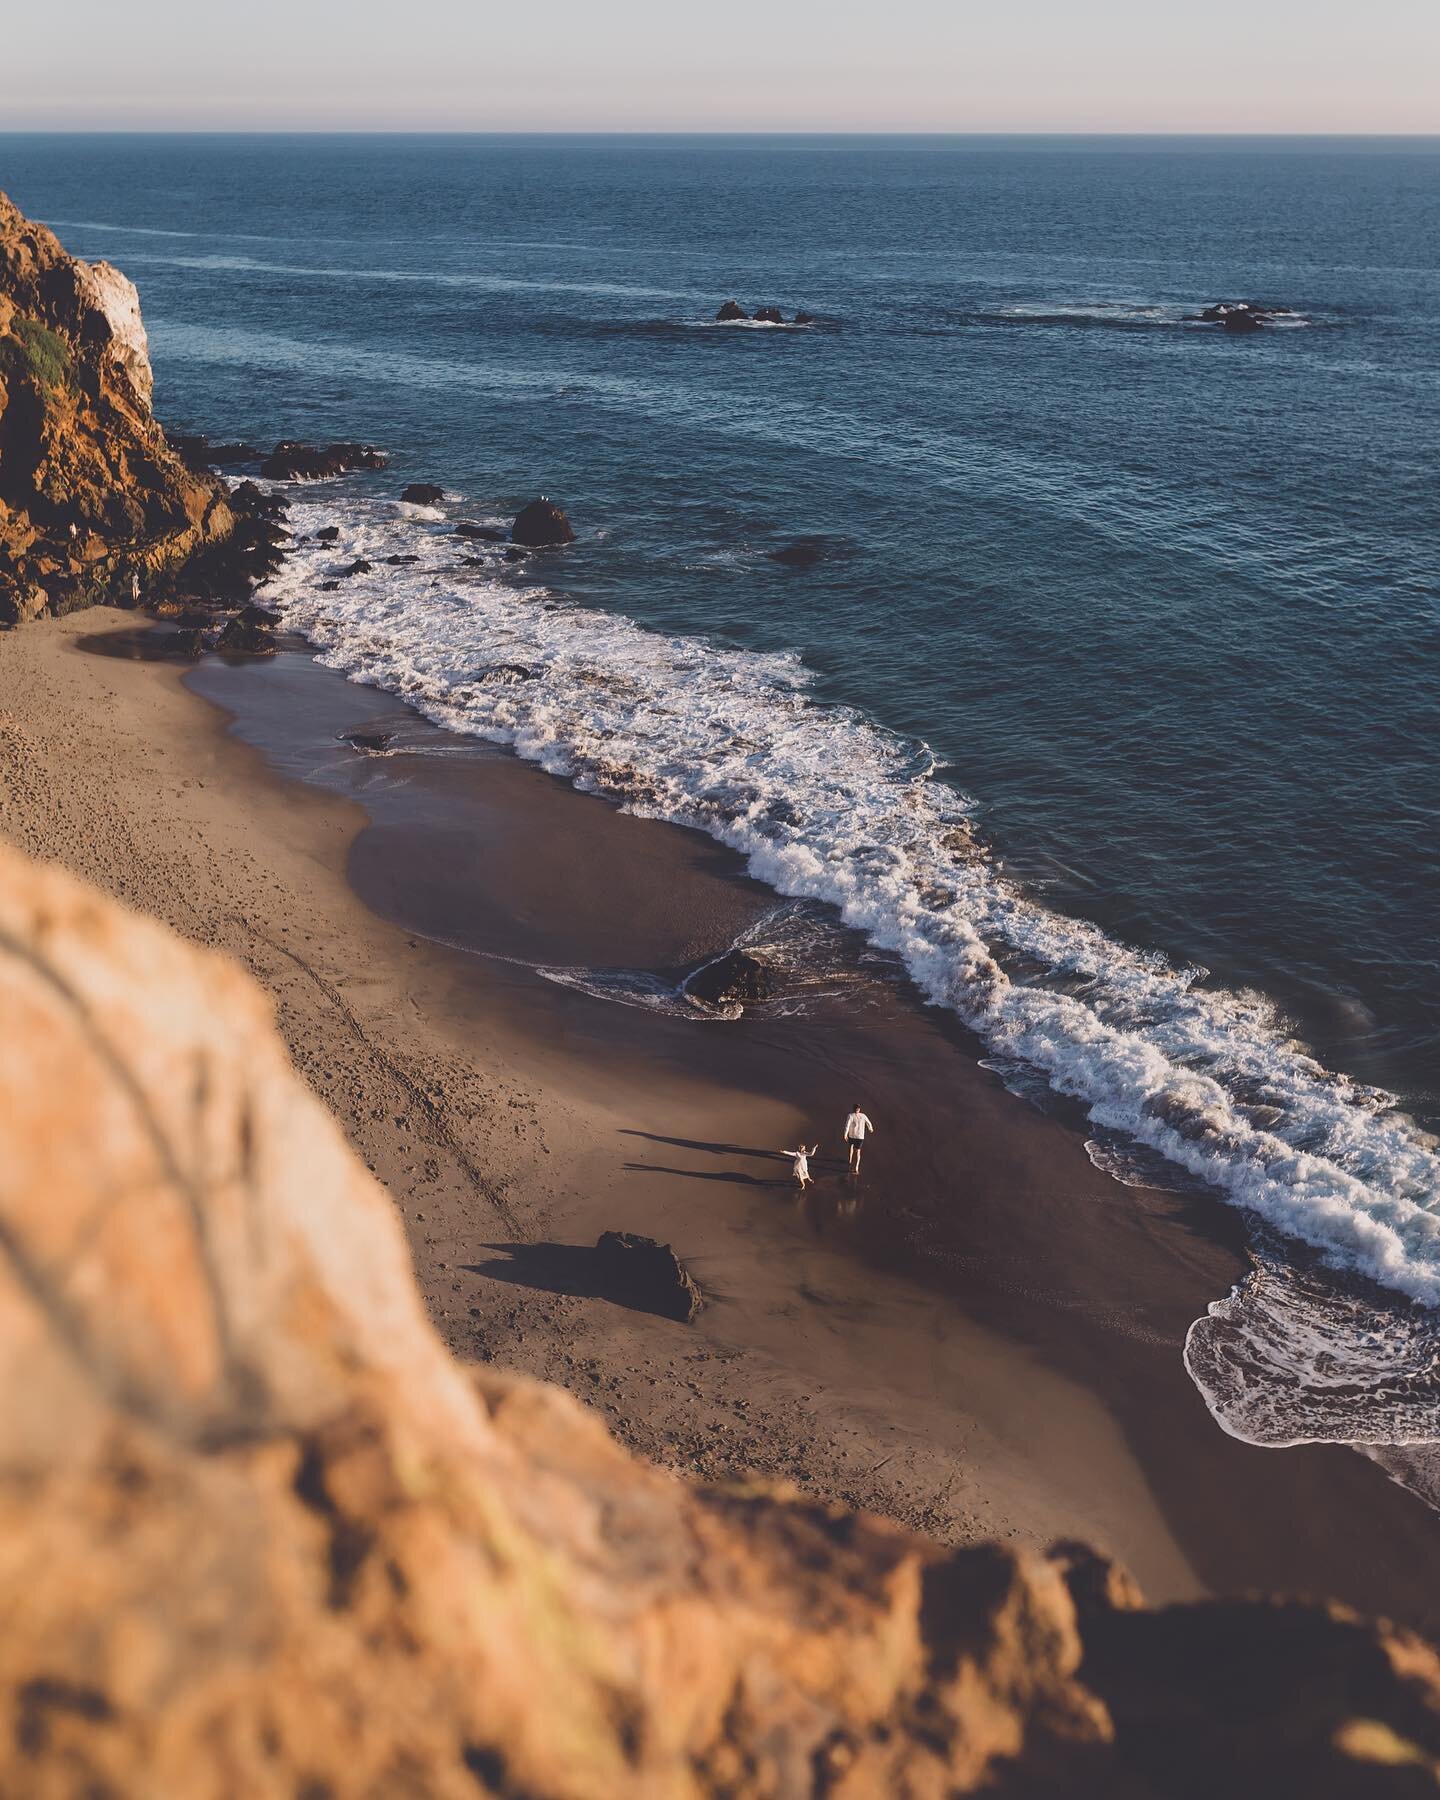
(618, 131)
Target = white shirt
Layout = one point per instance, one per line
(857, 1125)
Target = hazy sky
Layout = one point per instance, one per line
(906, 65)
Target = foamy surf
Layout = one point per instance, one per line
(827, 805)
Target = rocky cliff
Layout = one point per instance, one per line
(260, 1535)
(93, 501)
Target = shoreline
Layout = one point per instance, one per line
(1024, 1381)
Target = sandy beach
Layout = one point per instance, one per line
(981, 1337)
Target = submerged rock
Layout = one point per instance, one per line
(540, 524)
(730, 312)
(421, 493)
(639, 1272)
(804, 553)
(374, 743)
(804, 318)
(489, 534)
(731, 980)
(768, 315)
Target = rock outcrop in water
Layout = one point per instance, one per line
(540, 525)
(94, 503)
(304, 462)
(263, 1536)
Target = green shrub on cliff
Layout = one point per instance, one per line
(37, 351)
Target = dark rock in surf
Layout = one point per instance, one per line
(768, 315)
(638, 1272)
(329, 587)
(373, 743)
(804, 553)
(328, 534)
(191, 642)
(731, 980)
(358, 567)
(489, 534)
(304, 462)
(541, 524)
(198, 454)
(1242, 321)
(513, 555)
(402, 559)
(422, 493)
(507, 672)
(242, 637)
(804, 318)
(730, 312)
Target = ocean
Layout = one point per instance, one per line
(1104, 692)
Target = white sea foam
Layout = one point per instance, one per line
(826, 804)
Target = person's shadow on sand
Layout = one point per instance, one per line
(696, 1144)
(735, 1175)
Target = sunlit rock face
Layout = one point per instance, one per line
(94, 505)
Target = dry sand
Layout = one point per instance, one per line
(981, 1337)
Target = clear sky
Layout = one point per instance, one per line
(739, 65)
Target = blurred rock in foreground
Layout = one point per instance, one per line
(260, 1535)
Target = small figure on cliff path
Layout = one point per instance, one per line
(857, 1128)
(801, 1160)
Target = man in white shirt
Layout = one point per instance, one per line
(857, 1127)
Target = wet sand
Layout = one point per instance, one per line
(981, 1335)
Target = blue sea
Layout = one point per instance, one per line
(1106, 696)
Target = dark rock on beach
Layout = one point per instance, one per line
(421, 493)
(730, 312)
(541, 524)
(731, 980)
(489, 534)
(639, 1272)
(304, 462)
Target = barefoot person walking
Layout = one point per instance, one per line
(857, 1127)
(801, 1160)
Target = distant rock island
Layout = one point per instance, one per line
(733, 313)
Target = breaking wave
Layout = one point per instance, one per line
(827, 805)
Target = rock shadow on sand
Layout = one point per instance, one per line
(628, 1271)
